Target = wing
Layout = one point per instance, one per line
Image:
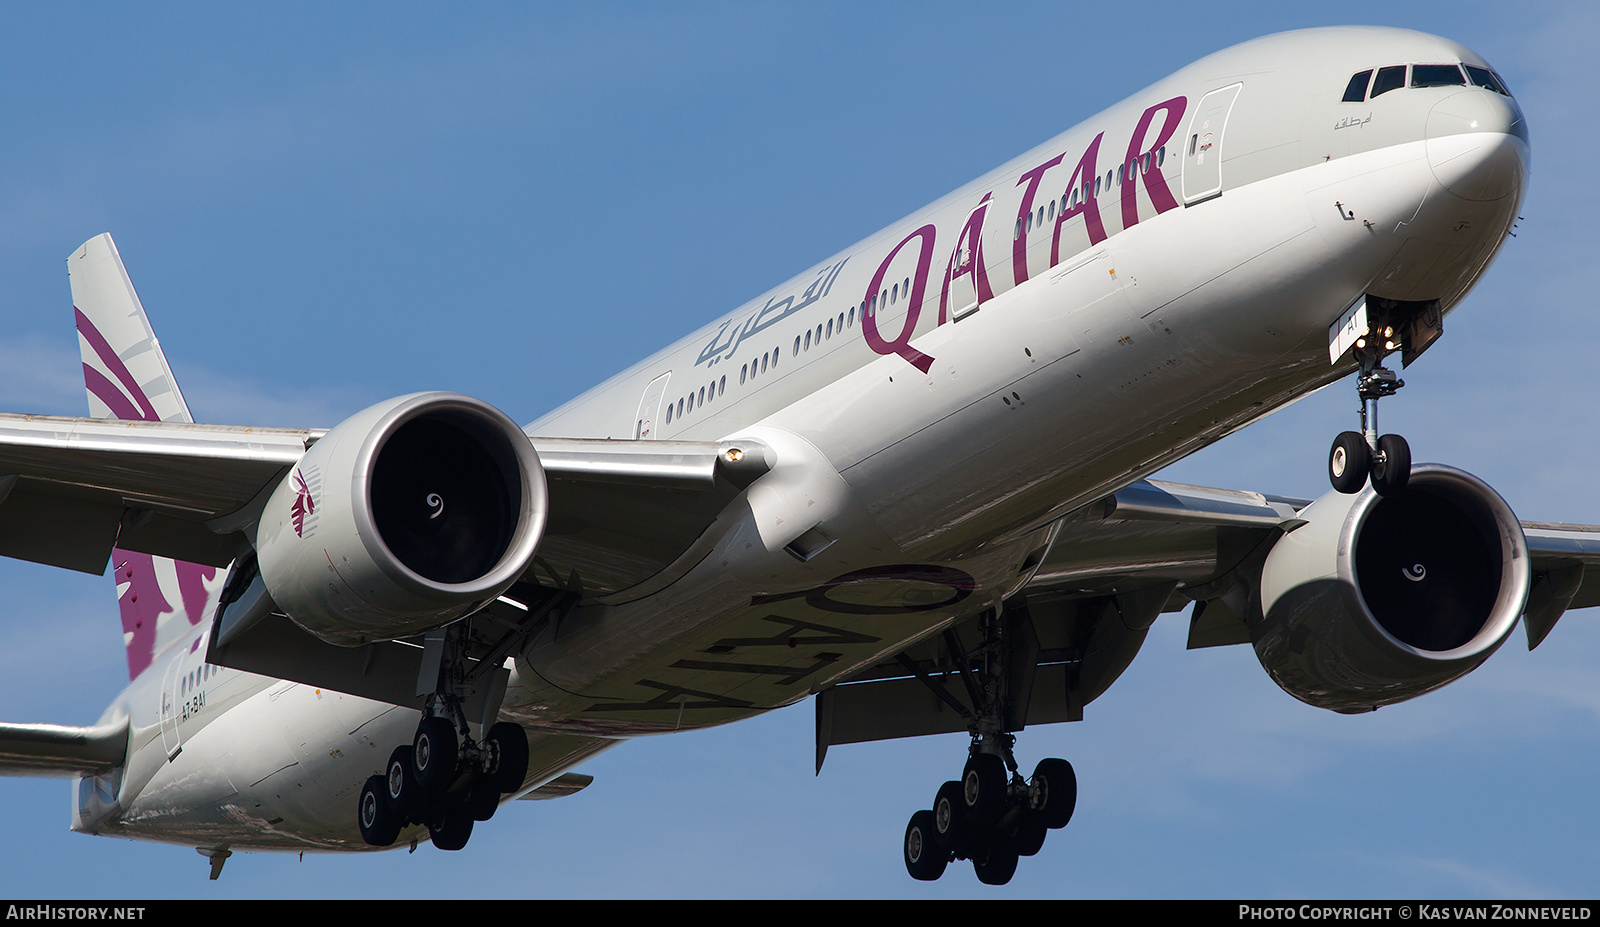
(70, 488)
(1113, 568)
(628, 516)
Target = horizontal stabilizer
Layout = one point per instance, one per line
(54, 749)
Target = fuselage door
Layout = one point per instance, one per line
(171, 699)
(645, 423)
(964, 270)
(1202, 147)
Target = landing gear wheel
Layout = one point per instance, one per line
(433, 754)
(998, 866)
(983, 789)
(453, 830)
(1349, 461)
(378, 822)
(483, 800)
(950, 820)
(1391, 478)
(924, 860)
(507, 748)
(400, 784)
(1055, 788)
(1031, 832)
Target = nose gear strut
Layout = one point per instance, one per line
(1357, 456)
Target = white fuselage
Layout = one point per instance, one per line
(1215, 225)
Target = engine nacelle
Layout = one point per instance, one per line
(1377, 600)
(403, 518)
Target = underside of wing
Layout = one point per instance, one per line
(1112, 568)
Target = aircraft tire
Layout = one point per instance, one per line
(983, 790)
(924, 860)
(998, 865)
(508, 743)
(1031, 831)
(454, 828)
(433, 754)
(1057, 785)
(1396, 471)
(950, 831)
(1349, 462)
(483, 800)
(378, 822)
(400, 784)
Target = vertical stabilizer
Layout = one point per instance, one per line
(127, 377)
(126, 374)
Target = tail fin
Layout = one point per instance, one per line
(126, 374)
(127, 377)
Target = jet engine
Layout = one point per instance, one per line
(1377, 599)
(404, 517)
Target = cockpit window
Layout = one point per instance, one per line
(1436, 75)
(1391, 78)
(1487, 79)
(1357, 89)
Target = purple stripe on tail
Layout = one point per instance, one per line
(113, 363)
(107, 392)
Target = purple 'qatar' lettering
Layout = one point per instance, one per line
(139, 407)
(869, 322)
(1089, 204)
(972, 263)
(1154, 182)
(1019, 241)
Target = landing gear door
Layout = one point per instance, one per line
(646, 422)
(1202, 146)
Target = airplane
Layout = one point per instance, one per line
(865, 508)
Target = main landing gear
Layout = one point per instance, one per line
(992, 815)
(1357, 456)
(443, 779)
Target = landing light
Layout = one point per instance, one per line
(734, 455)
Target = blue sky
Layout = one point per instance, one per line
(325, 205)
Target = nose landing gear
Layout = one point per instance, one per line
(1357, 456)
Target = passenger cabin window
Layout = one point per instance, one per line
(1390, 78)
(1356, 90)
(1436, 75)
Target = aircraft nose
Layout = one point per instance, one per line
(1478, 145)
